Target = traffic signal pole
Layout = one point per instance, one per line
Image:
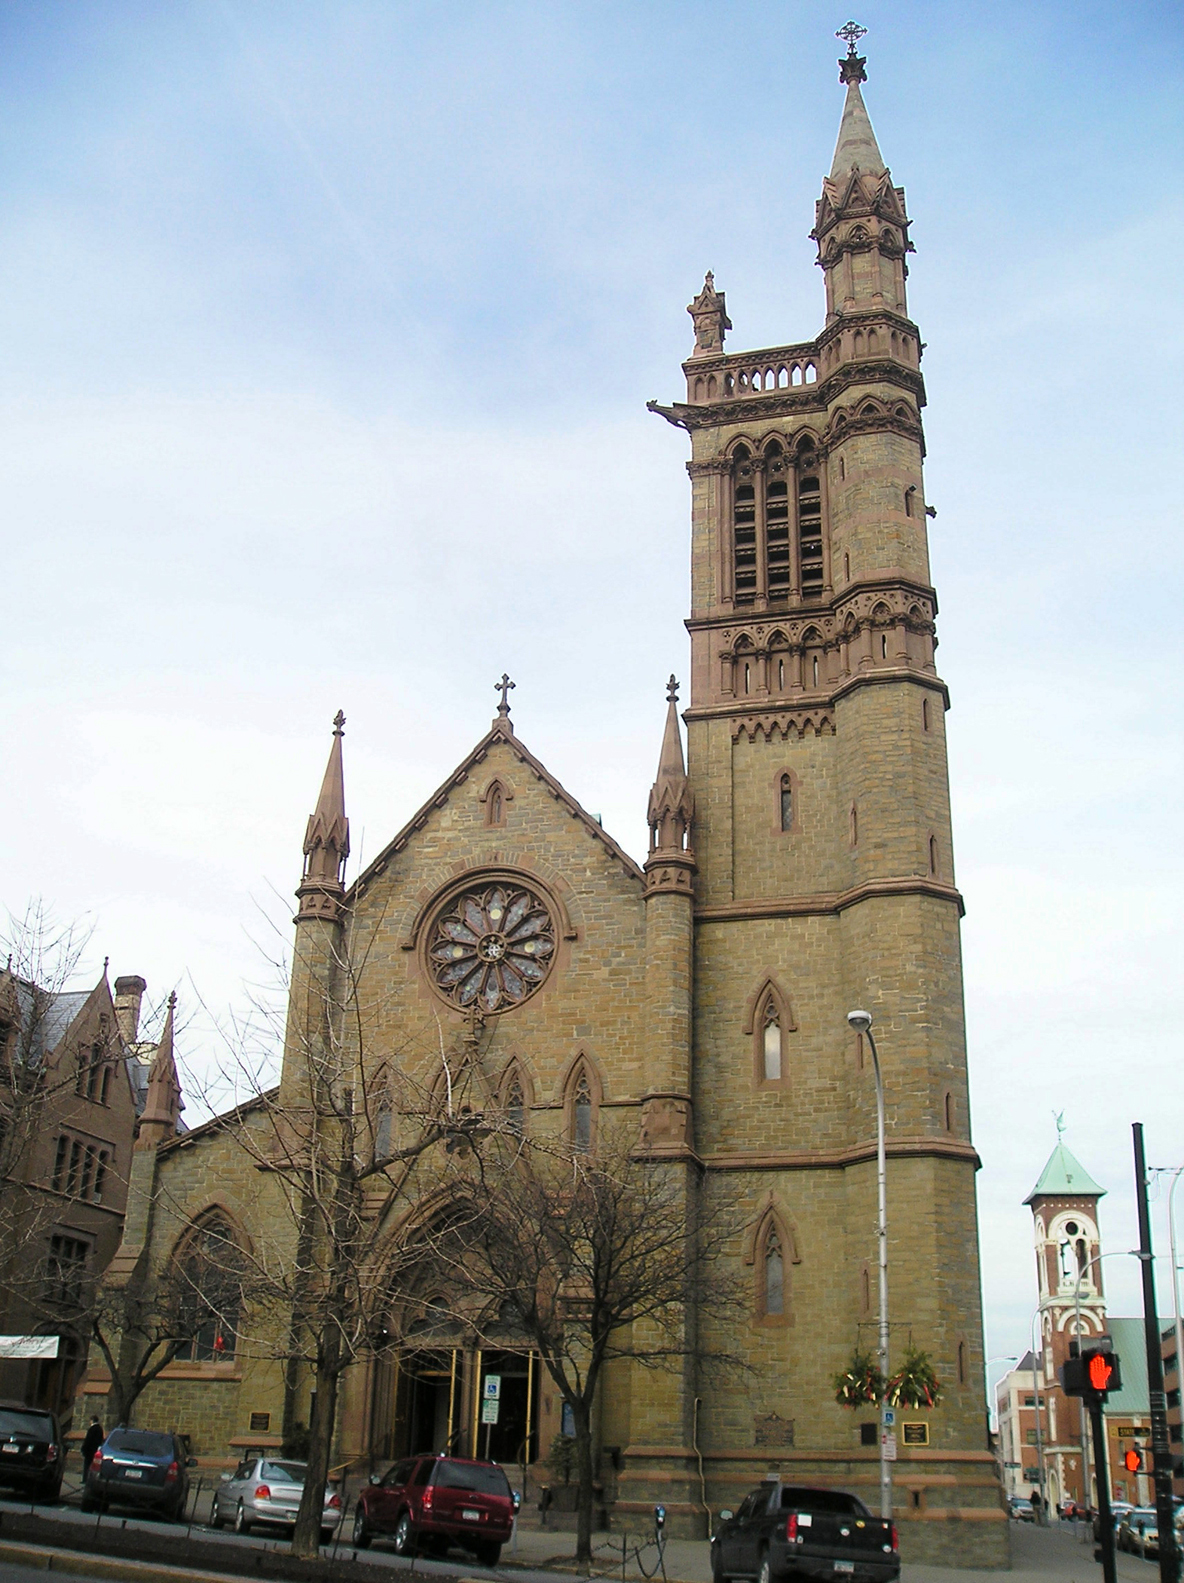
(1161, 1455)
(1097, 1420)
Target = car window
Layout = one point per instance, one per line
(477, 1476)
(397, 1475)
(283, 1472)
(795, 1498)
(38, 1426)
(244, 1470)
(141, 1442)
(420, 1476)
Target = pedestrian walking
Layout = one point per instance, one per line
(91, 1441)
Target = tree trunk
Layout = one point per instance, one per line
(585, 1494)
(306, 1536)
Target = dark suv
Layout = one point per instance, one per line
(31, 1451)
(434, 1502)
(139, 1467)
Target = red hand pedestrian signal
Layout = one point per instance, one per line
(1134, 1460)
(1100, 1370)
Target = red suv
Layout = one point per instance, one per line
(434, 1502)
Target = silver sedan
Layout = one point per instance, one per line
(262, 1491)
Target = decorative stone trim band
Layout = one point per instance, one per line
(822, 903)
(838, 1159)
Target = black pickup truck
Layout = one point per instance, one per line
(784, 1531)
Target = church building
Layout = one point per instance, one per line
(800, 865)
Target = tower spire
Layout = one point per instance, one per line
(326, 841)
(856, 148)
(163, 1106)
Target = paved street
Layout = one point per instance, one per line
(1040, 1555)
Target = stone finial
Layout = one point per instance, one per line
(709, 316)
(163, 1107)
(851, 65)
(326, 840)
(670, 806)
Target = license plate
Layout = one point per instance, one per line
(133, 1473)
(471, 1517)
(12, 1450)
(844, 1566)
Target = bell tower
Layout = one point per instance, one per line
(824, 879)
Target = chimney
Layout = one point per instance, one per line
(129, 992)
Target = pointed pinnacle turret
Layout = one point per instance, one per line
(326, 841)
(671, 806)
(163, 1107)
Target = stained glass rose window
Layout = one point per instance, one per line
(492, 947)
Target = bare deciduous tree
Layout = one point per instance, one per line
(594, 1256)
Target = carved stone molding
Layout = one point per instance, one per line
(819, 722)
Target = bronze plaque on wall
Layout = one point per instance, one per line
(916, 1434)
(770, 1430)
(260, 1422)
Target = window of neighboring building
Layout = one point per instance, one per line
(66, 1271)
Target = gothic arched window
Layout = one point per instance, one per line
(771, 1041)
(208, 1273)
(786, 801)
(810, 526)
(581, 1112)
(743, 528)
(776, 523)
(515, 1105)
(774, 1274)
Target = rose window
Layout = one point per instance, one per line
(492, 948)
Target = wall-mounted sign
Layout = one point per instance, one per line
(489, 1410)
(260, 1422)
(916, 1434)
(29, 1346)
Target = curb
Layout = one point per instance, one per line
(77, 1562)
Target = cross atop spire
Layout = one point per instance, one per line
(851, 33)
(505, 687)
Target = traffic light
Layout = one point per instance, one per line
(1093, 1373)
(1133, 1460)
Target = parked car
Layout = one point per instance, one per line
(1118, 1510)
(1021, 1508)
(1138, 1531)
(434, 1502)
(266, 1491)
(793, 1531)
(32, 1454)
(139, 1467)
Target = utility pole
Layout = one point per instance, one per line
(1161, 1454)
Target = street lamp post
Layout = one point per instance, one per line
(1176, 1279)
(1041, 1480)
(861, 1021)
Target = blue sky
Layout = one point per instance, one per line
(327, 336)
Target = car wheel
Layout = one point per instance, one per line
(216, 1517)
(242, 1523)
(404, 1535)
(488, 1554)
(362, 1535)
(766, 1572)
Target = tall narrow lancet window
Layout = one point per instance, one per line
(786, 797)
(743, 528)
(771, 1041)
(810, 526)
(774, 1292)
(777, 522)
(516, 1106)
(582, 1114)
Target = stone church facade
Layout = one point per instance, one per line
(800, 864)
